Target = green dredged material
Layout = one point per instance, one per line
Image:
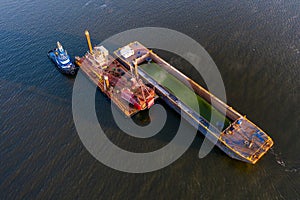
(184, 93)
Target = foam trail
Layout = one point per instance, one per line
(282, 163)
(103, 6)
(88, 3)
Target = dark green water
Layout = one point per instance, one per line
(182, 92)
(255, 46)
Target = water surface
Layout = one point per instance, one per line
(255, 46)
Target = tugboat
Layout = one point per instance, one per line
(62, 60)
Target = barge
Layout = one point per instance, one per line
(238, 137)
(126, 91)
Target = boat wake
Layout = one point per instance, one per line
(103, 6)
(88, 3)
(280, 162)
(92, 1)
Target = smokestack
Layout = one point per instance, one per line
(88, 39)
